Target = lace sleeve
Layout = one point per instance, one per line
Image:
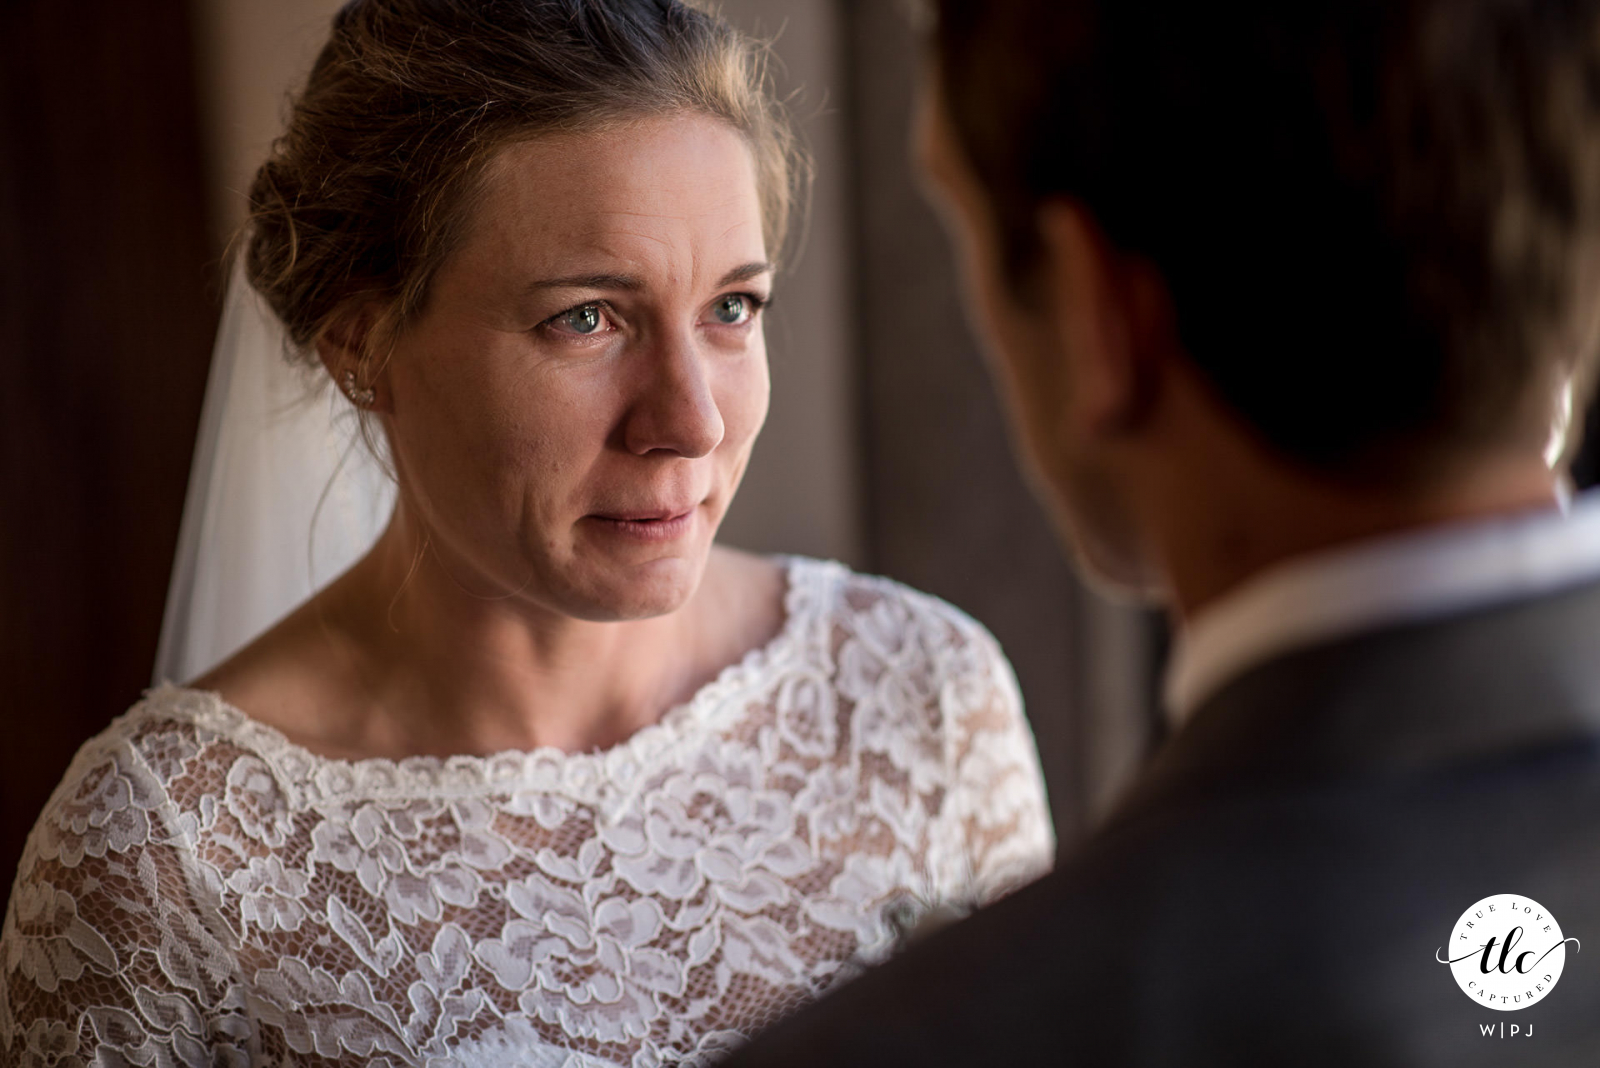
(1003, 820)
(105, 957)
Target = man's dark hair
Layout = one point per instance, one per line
(1379, 220)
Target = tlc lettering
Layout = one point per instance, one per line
(1505, 956)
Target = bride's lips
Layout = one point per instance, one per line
(651, 525)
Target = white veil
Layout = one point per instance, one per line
(283, 495)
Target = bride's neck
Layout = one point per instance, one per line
(448, 669)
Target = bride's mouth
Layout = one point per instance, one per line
(646, 526)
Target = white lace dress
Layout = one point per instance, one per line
(201, 891)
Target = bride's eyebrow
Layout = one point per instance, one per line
(744, 274)
(625, 282)
(628, 283)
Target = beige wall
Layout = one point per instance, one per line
(802, 491)
(250, 53)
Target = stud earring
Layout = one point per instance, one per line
(361, 398)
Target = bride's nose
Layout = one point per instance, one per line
(675, 408)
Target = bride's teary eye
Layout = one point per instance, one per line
(585, 320)
(735, 309)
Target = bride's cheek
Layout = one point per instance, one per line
(745, 399)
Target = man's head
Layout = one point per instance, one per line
(1371, 227)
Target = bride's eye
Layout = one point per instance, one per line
(583, 321)
(735, 309)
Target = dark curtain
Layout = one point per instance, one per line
(107, 306)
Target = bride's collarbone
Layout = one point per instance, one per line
(317, 683)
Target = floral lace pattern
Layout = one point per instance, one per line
(200, 891)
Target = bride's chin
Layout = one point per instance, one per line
(619, 592)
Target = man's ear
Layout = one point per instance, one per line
(1111, 317)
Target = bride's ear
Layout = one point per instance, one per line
(346, 347)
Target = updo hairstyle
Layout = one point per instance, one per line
(366, 192)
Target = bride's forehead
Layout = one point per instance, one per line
(680, 171)
(675, 197)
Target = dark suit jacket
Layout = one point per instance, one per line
(1275, 887)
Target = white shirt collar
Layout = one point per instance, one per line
(1395, 579)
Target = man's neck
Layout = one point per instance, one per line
(1210, 542)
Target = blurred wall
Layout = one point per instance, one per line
(947, 509)
(249, 55)
(803, 492)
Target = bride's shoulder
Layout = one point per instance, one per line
(161, 734)
(918, 631)
(144, 768)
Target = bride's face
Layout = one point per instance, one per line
(572, 410)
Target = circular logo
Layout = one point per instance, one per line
(1506, 952)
